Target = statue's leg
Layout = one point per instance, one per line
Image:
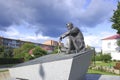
(69, 45)
(82, 46)
(79, 44)
(75, 45)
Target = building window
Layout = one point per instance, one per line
(109, 45)
(115, 44)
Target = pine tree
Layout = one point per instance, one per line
(116, 19)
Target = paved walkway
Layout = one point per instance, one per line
(101, 77)
(95, 77)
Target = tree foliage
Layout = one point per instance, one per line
(38, 51)
(56, 50)
(1, 51)
(116, 19)
(23, 51)
(102, 57)
(106, 57)
(6, 52)
(118, 42)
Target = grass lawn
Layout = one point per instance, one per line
(90, 71)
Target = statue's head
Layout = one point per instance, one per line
(69, 26)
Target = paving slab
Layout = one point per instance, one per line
(101, 77)
(93, 77)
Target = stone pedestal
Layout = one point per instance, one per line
(54, 67)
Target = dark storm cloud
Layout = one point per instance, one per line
(50, 16)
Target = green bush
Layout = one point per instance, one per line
(11, 60)
(24, 51)
(38, 51)
(55, 50)
(106, 57)
(114, 60)
(102, 57)
(96, 58)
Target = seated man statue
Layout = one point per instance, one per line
(76, 40)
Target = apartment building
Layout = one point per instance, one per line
(13, 43)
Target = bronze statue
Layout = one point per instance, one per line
(76, 39)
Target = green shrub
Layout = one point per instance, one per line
(106, 57)
(102, 57)
(56, 50)
(38, 51)
(96, 57)
(24, 51)
(11, 60)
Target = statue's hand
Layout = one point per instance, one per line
(60, 38)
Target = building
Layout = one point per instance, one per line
(53, 43)
(109, 45)
(14, 43)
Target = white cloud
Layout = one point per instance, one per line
(33, 38)
(11, 31)
(96, 40)
(107, 34)
(92, 40)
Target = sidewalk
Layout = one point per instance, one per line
(95, 77)
(88, 76)
(101, 77)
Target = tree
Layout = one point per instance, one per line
(118, 42)
(56, 50)
(8, 52)
(106, 57)
(116, 19)
(1, 51)
(38, 51)
(23, 51)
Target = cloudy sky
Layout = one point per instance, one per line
(41, 20)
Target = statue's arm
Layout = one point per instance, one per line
(65, 34)
(74, 30)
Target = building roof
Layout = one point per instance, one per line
(117, 36)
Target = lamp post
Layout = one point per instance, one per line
(93, 48)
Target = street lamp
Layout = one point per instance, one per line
(93, 48)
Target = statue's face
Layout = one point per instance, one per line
(69, 27)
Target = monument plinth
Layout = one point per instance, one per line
(54, 67)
